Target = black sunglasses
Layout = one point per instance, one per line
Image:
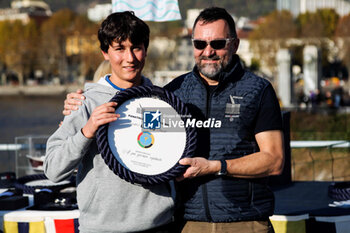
(215, 44)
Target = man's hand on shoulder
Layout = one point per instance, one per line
(73, 101)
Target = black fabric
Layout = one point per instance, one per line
(13, 203)
(13, 199)
(7, 179)
(236, 102)
(306, 197)
(46, 199)
(30, 189)
(339, 191)
(313, 226)
(268, 117)
(211, 89)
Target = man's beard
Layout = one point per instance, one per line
(212, 70)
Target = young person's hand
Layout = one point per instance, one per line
(73, 101)
(101, 115)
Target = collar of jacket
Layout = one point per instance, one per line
(145, 81)
(233, 72)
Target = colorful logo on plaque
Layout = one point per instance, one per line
(145, 139)
(151, 119)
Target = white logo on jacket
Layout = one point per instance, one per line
(233, 108)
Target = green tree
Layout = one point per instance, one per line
(343, 38)
(66, 25)
(5, 38)
(330, 20)
(319, 27)
(320, 24)
(343, 27)
(271, 35)
(18, 46)
(11, 52)
(276, 25)
(31, 40)
(55, 32)
(90, 56)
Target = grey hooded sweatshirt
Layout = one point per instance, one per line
(106, 202)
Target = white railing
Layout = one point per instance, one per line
(293, 144)
(313, 144)
(15, 147)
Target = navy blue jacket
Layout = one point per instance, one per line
(235, 102)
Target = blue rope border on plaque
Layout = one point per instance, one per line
(134, 177)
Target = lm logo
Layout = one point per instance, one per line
(151, 119)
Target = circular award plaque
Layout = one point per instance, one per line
(146, 142)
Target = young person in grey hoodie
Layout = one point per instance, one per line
(106, 202)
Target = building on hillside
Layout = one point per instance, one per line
(24, 10)
(99, 12)
(296, 7)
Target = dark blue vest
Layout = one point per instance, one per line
(234, 102)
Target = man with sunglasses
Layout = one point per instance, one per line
(225, 188)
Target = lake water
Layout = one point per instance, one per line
(26, 115)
